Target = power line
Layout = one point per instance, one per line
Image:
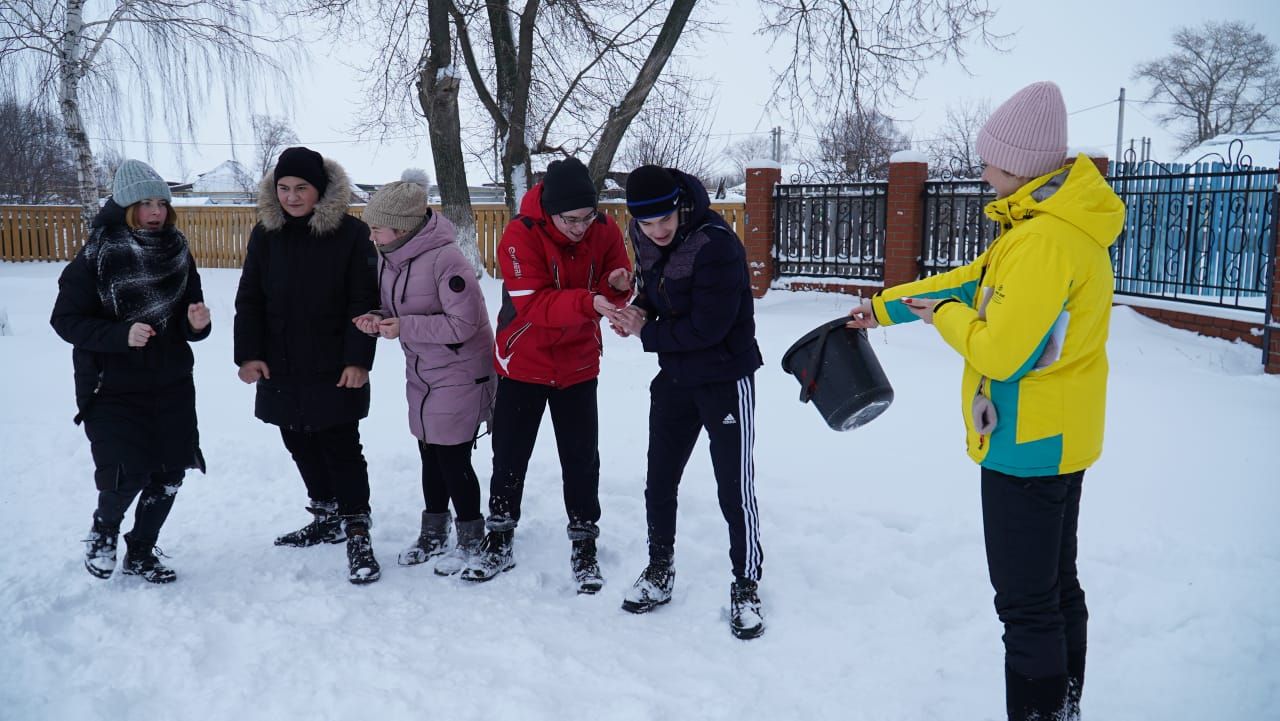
(253, 144)
(1113, 101)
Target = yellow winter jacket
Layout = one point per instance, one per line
(1030, 318)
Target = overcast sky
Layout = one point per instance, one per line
(1089, 47)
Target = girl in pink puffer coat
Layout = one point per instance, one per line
(431, 301)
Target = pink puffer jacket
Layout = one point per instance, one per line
(445, 333)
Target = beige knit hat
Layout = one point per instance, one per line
(401, 204)
(1027, 135)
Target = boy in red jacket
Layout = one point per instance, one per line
(563, 266)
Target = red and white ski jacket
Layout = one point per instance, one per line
(548, 331)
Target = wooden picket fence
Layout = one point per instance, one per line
(218, 234)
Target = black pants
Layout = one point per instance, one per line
(1030, 526)
(117, 490)
(517, 413)
(332, 465)
(447, 474)
(676, 416)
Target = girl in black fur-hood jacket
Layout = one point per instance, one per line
(309, 269)
(130, 303)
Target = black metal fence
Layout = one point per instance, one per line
(830, 230)
(955, 229)
(1197, 234)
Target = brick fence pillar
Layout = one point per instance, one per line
(904, 219)
(1102, 162)
(757, 233)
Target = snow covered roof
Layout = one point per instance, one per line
(1262, 147)
(229, 177)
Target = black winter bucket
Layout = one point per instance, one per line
(839, 372)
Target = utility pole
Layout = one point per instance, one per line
(776, 132)
(1120, 127)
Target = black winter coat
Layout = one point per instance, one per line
(138, 405)
(303, 281)
(697, 294)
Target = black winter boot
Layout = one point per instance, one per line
(362, 567)
(1035, 699)
(653, 587)
(143, 559)
(586, 569)
(746, 620)
(100, 549)
(495, 556)
(433, 540)
(326, 527)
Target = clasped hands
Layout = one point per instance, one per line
(375, 325)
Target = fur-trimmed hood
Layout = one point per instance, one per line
(328, 213)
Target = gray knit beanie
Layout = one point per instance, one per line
(401, 204)
(134, 181)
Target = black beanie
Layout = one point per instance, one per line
(652, 192)
(567, 186)
(303, 163)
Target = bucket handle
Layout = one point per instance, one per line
(807, 389)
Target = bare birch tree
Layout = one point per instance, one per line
(1222, 77)
(100, 60)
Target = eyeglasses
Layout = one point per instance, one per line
(575, 222)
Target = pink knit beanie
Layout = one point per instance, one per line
(1027, 135)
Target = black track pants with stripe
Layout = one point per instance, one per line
(677, 414)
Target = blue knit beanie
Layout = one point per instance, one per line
(134, 181)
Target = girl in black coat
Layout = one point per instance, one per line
(308, 271)
(130, 303)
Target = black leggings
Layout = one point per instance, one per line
(447, 475)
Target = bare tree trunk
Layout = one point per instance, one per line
(438, 86)
(514, 69)
(621, 115)
(70, 72)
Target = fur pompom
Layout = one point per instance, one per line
(418, 176)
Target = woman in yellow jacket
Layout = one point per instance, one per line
(1030, 318)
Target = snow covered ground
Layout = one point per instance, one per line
(875, 585)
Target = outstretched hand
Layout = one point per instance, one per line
(922, 308)
(863, 316)
(367, 323)
(620, 279)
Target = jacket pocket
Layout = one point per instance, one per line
(1041, 408)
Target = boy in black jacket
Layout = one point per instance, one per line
(694, 310)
